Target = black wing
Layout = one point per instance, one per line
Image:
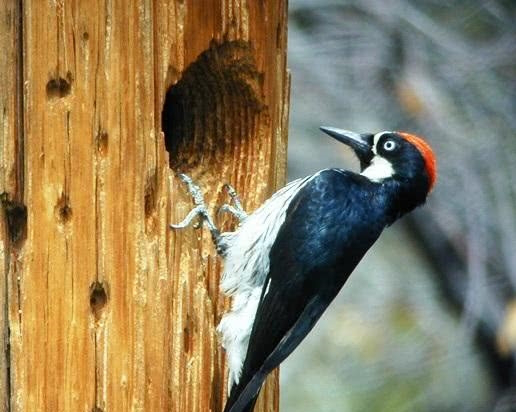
(326, 232)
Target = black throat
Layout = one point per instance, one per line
(399, 197)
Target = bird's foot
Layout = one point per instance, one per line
(237, 210)
(200, 210)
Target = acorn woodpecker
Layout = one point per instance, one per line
(287, 260)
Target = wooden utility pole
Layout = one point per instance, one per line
(102, 102)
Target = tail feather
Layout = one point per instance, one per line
(247, 408)
(243, 396)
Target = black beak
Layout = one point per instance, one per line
(361, 143)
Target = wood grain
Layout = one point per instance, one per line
(13, 217)
(107, 309)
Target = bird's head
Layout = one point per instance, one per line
(398, 157)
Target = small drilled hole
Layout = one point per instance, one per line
(16, 217)
(150, 194)
(102, 142)
(62, 209)
(98, 298)
(59, 87)
(188, 333)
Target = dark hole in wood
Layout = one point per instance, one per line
(216, 101)
(16, 218)
(62, 209)
(150, 194)
(59, 87)
(189, 332)
(102, 140)
(98, 298)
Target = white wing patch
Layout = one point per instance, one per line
(245, 269)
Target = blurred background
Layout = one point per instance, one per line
(428, 320)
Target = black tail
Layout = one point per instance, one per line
(248, 408)
(244, 395)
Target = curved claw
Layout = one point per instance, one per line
(239, 214)
(231, 190)
(237, 210)
(193, 189)
(199, 209)
(234, 197)
(188, 219)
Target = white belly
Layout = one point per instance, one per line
(246, 267)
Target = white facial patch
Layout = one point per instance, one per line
(377, 137)
(380, 168)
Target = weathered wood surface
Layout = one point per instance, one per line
(105, 308)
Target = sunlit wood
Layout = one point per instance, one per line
(107, 309)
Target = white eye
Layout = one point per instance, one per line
(389, 145)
